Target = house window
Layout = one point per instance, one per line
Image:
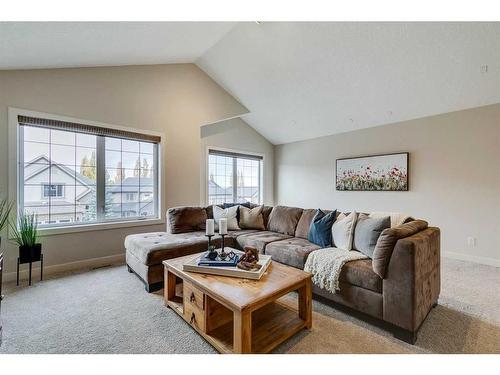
(86, 174)
(234, 177)
(54, 191)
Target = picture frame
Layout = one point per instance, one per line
(381, 172)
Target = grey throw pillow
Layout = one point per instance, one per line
(368, 231)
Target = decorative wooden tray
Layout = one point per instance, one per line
(264, 261)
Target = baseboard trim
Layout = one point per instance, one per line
(472, 258)
(110, 260)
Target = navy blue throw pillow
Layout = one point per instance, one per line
(320, 231)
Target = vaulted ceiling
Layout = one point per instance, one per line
(304, 80)
(299, 80)
(25, 45)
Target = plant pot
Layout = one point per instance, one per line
(30, 253)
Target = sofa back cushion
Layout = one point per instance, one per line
(186, 219)
(266, 212)
(367, 232)
(387, 240)
(251, 218)
(304, 223)
(320, 232)
(284, 219)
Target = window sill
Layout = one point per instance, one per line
(98, 226)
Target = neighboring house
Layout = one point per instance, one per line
(55, 192)
(135, 195)
(217, 194)
(60, 194)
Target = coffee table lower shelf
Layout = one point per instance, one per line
(271, 325)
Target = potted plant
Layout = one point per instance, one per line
(5, 208)
(25, 234)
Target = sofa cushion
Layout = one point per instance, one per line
(320, 232)
(387, 241)
(304, 223)
(360, 273)
(187, 219)
(231, 214)
(241, 232)
(266, 212)
(292, 252)
(284, 219)
(260, 239)
(251, 218)
(367, 232)
(153, 248)
(343, 231)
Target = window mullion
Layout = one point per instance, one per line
(100, 177)
(235, 179)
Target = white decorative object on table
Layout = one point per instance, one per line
(228, 213)
(223, 226)
(210, 227)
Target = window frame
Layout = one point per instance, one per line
(234, 151)
(16, 174)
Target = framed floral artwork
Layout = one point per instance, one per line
(387, 172)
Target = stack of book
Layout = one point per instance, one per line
(217, 262)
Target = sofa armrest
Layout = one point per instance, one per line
(186, 219)
(413, 280)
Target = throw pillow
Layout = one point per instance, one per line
(228, 213)
(368, 231)
(251, 218)
(343, 231)
(320, 232)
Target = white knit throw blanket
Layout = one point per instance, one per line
(326, 264)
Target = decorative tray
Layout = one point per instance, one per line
(264, 261)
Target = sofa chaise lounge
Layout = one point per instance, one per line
(398, 287)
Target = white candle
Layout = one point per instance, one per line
(210, 227)
(222, 226)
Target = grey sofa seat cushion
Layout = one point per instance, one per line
(237, 233)
(259, 240)
(360, 273)
(367, 232)
(284, 219)
(292, 252)
(153, 248)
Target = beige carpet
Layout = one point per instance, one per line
(107, 311)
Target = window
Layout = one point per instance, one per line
(55, 191)
(234, 177)
(79, 174)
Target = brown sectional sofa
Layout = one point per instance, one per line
(398, 287)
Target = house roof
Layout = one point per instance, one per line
(44, 166)
(133, 184)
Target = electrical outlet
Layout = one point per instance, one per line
(483, 69)
(471, 241)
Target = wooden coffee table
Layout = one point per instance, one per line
(240, 315)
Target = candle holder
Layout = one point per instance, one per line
(212, 254)
(222, 254)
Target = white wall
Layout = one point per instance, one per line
(236, 134)
(454, 176)
(173, 99)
